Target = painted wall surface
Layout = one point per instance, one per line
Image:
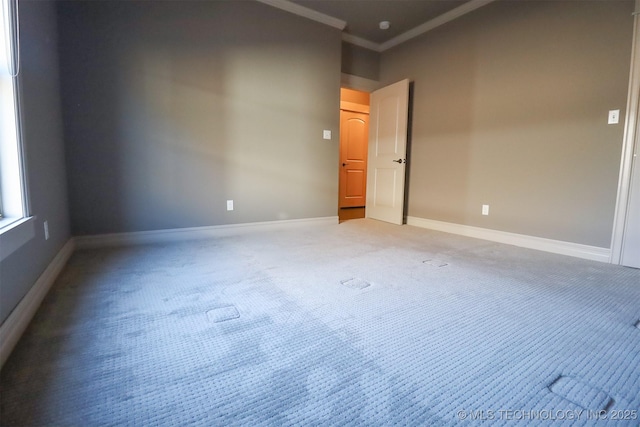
(361, 62)
(171, 108)
(510, 110)
(44, 153)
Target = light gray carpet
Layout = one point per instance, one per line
(362, 323)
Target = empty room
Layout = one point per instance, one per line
(319, 212)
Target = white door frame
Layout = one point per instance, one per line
(631, 137)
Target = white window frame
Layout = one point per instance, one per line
(16, 225)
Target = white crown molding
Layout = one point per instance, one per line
(419, 30)
(314, 15)
(306, 13)
(434, 23)
(15, 325)
(359, 41)
(577, 250)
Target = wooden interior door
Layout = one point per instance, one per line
(389, 112)
(354, 138)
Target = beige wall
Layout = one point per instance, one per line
(510, 110)
(173, 107)
(44, 154)
(361, 62)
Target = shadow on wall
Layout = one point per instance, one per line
(407, 181)
(188, 109)
(440, 140)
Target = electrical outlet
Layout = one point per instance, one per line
(229, 205)
(485, 209)
(46, 230)
(326, 134)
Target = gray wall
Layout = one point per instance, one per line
(360, 61)
(510, 110)
(171, 108)
(44, 153)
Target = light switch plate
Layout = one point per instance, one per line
(326, 134)
(614, 117)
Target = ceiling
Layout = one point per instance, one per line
(363, 16)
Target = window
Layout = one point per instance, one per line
(11, 191)
(15, 227)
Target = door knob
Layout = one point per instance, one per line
(345, 164)
(397, 161)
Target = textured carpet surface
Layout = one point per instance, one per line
(362, 323)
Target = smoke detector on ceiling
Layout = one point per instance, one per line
(384, 25)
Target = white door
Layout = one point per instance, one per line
(626, 234)
(631, 239)
(387, 152)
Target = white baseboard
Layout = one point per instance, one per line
(593, 253)
(194, 233)
(14, 326)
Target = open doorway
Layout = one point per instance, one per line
(354, 140)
